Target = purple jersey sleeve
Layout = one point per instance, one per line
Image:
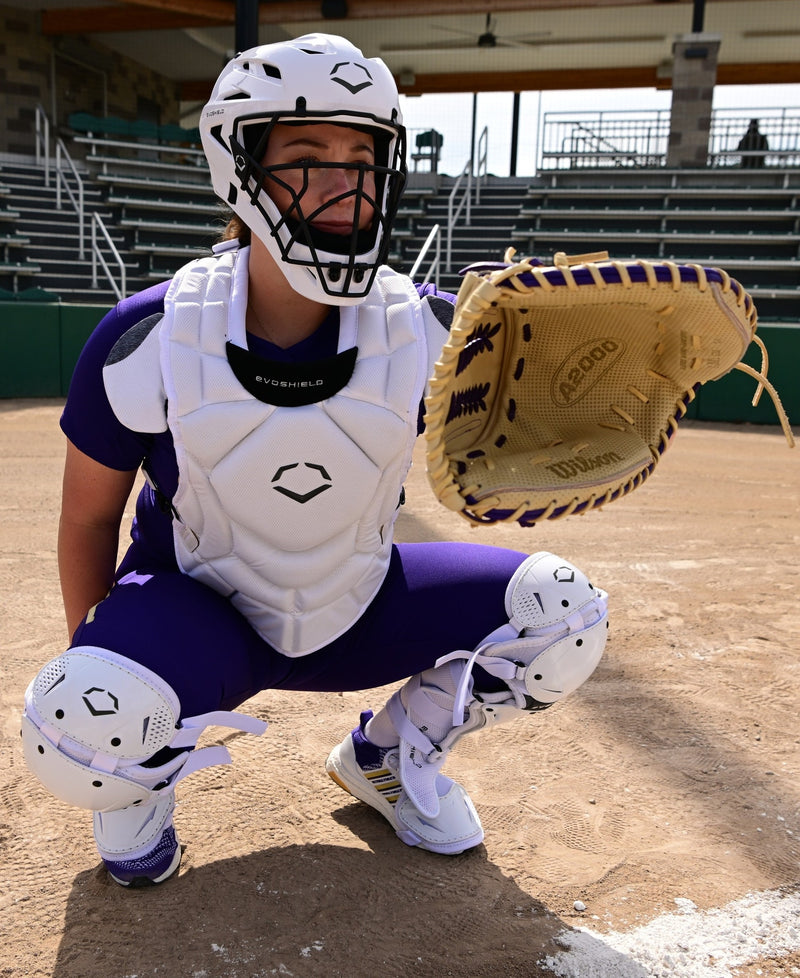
(87, 419)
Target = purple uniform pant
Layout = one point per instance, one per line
(437, 597)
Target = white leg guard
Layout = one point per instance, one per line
(138, 839)
(552, 643)
(95, 722)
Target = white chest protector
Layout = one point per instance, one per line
(289, 512)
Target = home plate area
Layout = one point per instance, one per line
(645, 827)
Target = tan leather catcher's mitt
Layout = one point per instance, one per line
(560, 387)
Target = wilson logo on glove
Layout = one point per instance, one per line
(569, 468)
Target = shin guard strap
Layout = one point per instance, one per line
(420, 759)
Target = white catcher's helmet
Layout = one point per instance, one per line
(315, 78)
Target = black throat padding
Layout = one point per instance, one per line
(291, 384)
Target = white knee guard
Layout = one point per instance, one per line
(557, 630)
(94, 721)
(554, 638)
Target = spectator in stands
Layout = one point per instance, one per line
(754, 145)
(272, 393)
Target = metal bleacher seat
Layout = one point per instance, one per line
(747, 225)
(13, 264)
(12, 270)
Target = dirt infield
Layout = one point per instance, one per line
(672, 775)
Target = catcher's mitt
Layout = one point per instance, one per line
(560, 387)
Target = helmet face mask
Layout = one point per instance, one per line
(315, 79)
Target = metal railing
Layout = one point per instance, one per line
(619, 138)
(98, 258)
(475, 172)
(481, 160)
(64, 169)
(42, 142)
(585, 142)
(613, 138)
(76, 196)
(454, 209)
(434, 237)
(781, 127)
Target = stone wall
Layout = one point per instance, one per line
(694, 75)
(88, 77)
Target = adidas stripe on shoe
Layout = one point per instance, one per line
(369, 773)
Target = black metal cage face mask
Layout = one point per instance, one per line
(344, 260)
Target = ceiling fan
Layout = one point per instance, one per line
(489, 39)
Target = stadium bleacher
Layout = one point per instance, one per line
(151, 186)
(14, 263)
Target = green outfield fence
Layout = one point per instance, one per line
(40, 342)
(729, 399)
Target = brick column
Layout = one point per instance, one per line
(694, 74)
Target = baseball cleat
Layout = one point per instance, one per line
(370, 774)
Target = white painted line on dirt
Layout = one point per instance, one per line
(687, 944)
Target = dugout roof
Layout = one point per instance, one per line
(452, 45)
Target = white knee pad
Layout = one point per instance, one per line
(95, 720)
(552, 643)
(554, 639)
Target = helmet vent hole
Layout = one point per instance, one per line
(272, 71)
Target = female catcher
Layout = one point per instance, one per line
(272, 393)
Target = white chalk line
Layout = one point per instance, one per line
(688, 943)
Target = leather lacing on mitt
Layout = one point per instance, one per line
(560, 387)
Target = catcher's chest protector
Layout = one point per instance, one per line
(289, 511)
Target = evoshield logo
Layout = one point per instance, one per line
(582, 369)
(100, 702)
(352, 76)
(301, 483)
